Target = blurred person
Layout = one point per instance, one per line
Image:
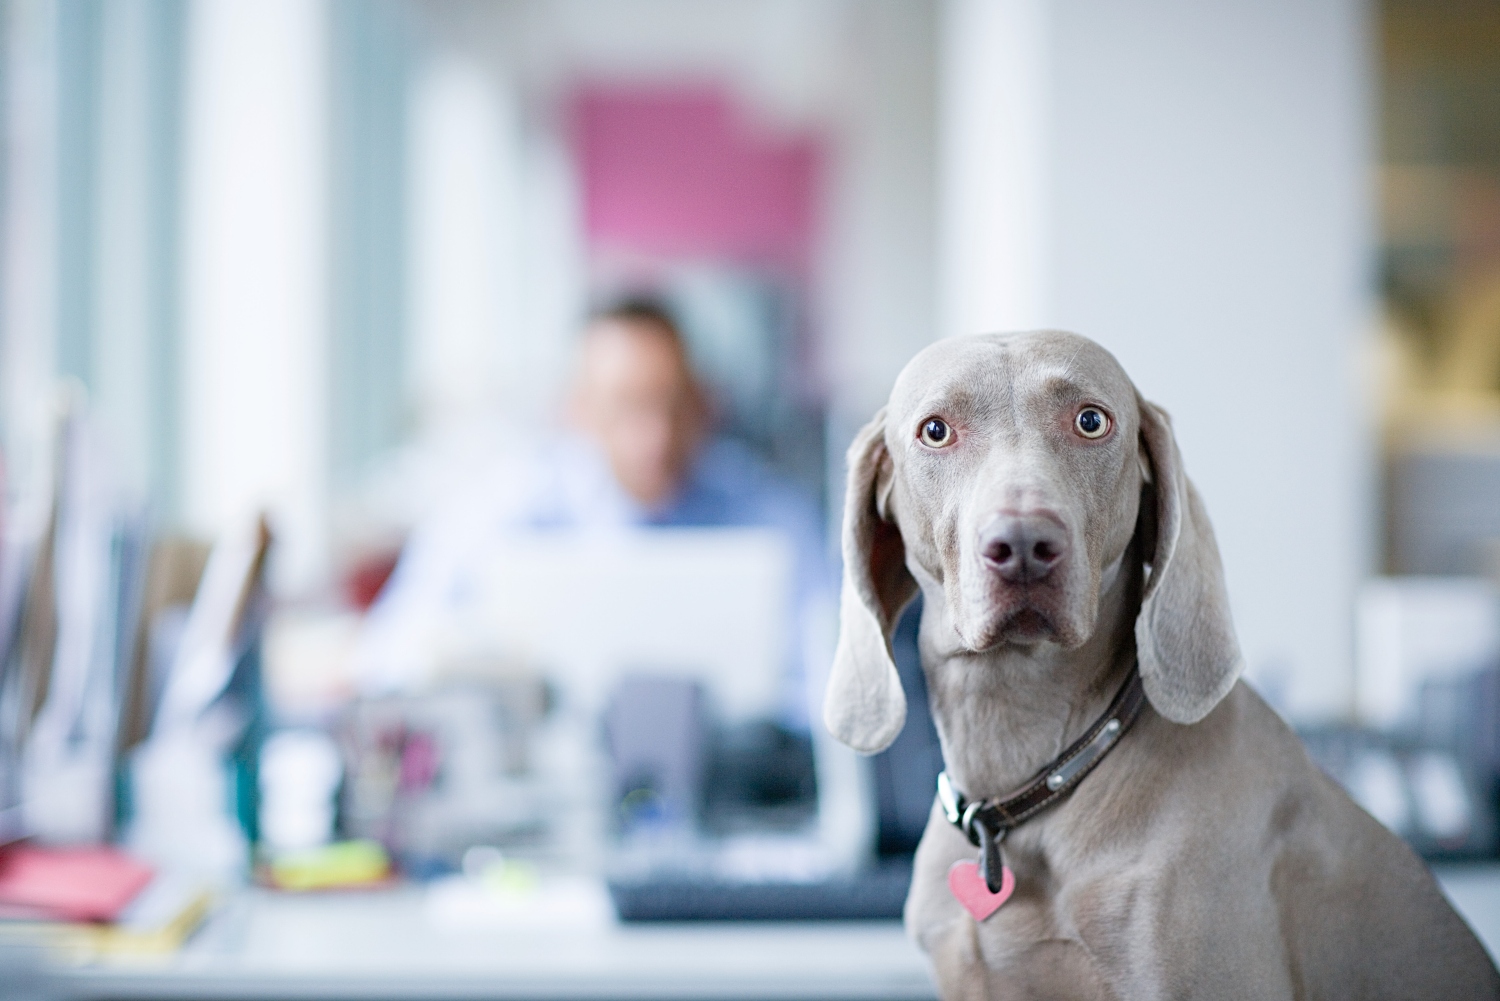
(636, 396)
(637, 450)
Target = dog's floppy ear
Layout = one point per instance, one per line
(1184, 635)
(864, 706)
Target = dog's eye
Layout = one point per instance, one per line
(936, 433)
(1092, 422)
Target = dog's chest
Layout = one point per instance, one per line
(1116, 925)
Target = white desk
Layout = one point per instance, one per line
(381, 946)
(1475, 893)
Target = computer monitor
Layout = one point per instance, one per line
(709, 604)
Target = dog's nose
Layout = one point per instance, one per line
(1023, 548)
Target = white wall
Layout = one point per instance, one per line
(255, 275)
(1206, 214)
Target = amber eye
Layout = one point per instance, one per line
(936, 433)
(1092, 422)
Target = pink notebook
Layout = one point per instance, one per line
(70, 884)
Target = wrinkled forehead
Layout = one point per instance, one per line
(1003, 373)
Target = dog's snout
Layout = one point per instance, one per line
(1023, 548)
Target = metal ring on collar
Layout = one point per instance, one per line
(967, 823)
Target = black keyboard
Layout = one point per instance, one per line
(876, 893)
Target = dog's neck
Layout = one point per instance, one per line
(1003, 714)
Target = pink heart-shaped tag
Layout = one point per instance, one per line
(968, 886)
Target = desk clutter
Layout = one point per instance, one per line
(130, 711)
(96, 902)
(170, 735)
(1424, 757)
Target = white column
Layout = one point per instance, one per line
(463, 256)
(995, 116)
(1204, 211)
(254, 275)
(551, 281)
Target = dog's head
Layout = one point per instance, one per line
(1010, 475)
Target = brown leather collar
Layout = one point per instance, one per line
(986, 822)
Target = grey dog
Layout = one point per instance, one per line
(1041, 506)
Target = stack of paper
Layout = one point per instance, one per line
(92, 902)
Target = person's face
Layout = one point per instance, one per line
(637, 399)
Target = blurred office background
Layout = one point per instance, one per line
(317, 258)
(278, 242)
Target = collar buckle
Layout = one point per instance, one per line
(950, 798)
(995, 817)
